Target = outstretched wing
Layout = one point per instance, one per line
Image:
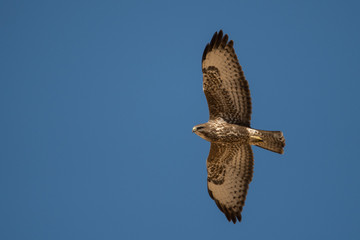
(226, 89)
(230, 170)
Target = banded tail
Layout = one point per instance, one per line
(270, 140)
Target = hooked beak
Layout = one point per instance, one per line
(194, 129)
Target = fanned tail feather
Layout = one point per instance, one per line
(271, 140)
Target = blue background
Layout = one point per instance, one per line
(98, 99)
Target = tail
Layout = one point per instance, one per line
(270, 140)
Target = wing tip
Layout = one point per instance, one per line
(230, 215)
(233, 216)
(205, 51)
(219, 40)
(231, 43)
(210, 194)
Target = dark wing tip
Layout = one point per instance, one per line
(229, 214)
(211, 194)
(205, 51)
(224, 41)
(231, 43)
(213, 40)
(232, 216)
(217, 41)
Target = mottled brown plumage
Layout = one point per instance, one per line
(230, 161)
(224, 83)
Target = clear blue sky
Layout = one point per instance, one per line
(98, 99)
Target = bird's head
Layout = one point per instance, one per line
(202, 130)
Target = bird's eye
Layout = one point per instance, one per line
(198, 128)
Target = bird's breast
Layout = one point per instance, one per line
(229, 133)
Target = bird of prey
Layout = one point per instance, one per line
(230, 161)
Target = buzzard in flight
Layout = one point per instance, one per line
(230, 161)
